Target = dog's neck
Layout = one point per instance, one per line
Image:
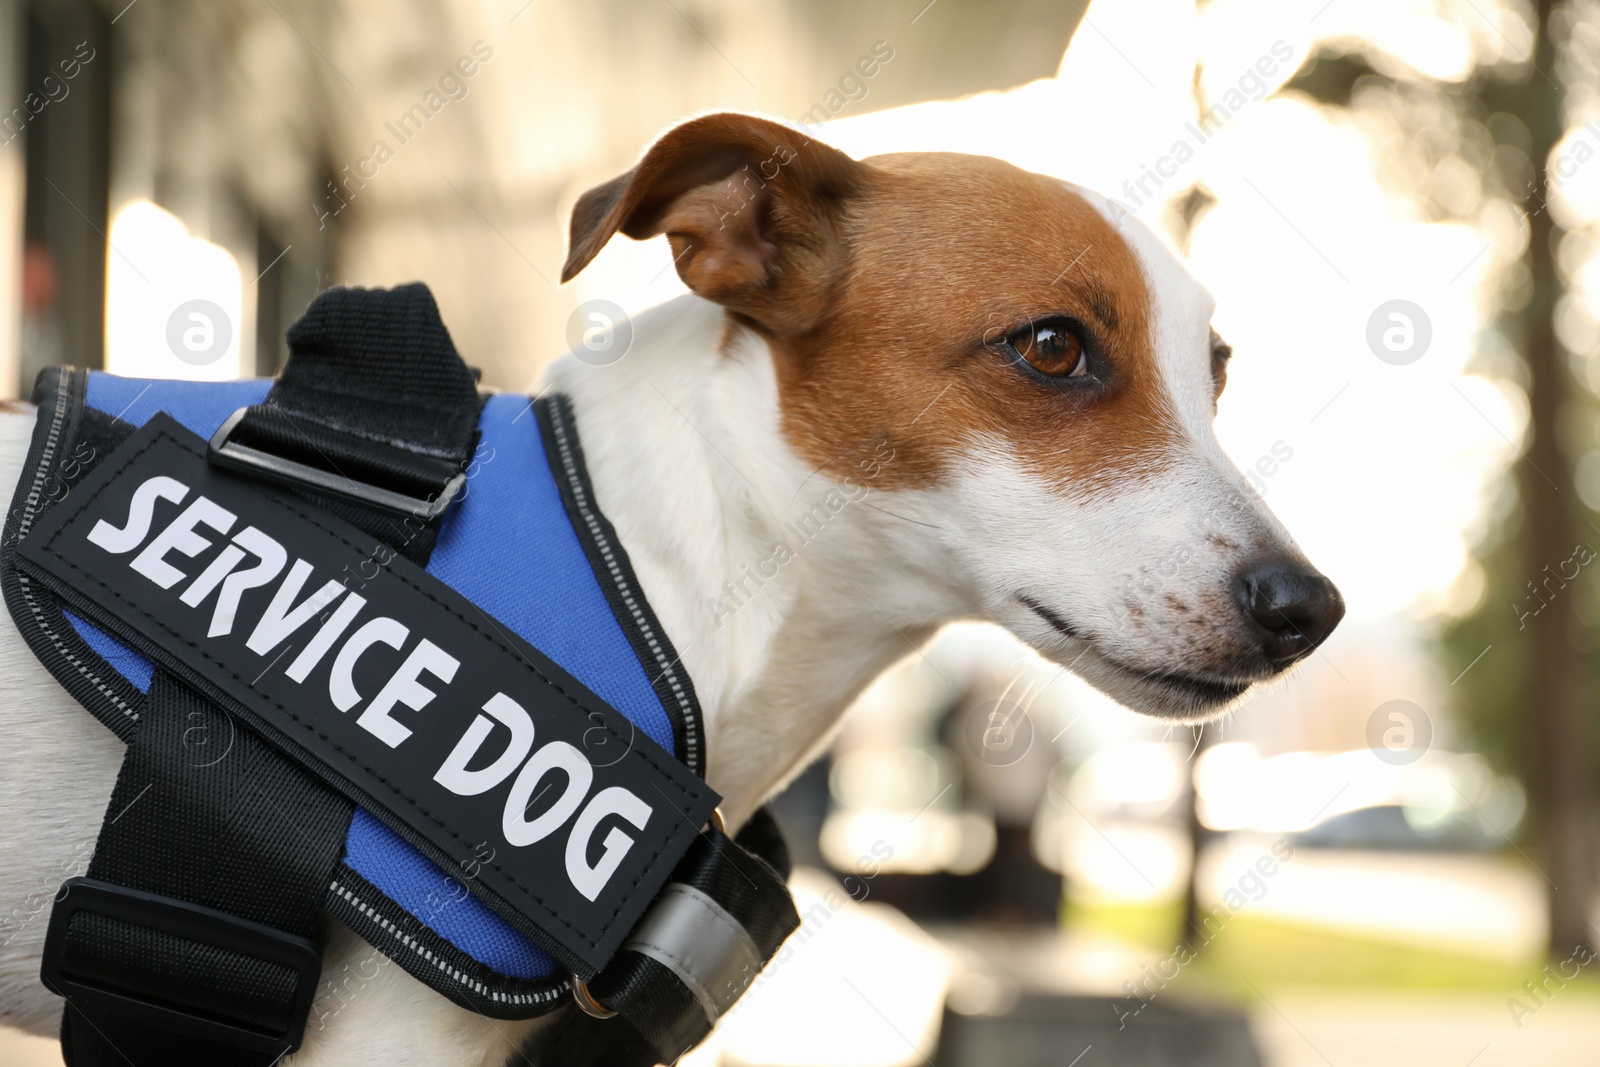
(786, 589)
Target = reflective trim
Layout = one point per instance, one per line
(693, 937)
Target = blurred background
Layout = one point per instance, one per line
(1387, 859)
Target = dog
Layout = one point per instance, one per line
(902, 391)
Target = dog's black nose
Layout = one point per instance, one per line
(1294, 608)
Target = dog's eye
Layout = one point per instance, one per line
(1053, 349)
(1221, 350)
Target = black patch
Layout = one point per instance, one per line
(529, 885)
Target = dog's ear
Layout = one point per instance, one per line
(753, 209)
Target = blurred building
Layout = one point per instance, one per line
(294, 144)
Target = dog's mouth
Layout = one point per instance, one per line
(1201, 692)
(1056, 621)
(1167, 693)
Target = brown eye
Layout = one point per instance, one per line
(1221, 352)
(1051, 348)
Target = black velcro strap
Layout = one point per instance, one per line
(374, 416)
(373, 391)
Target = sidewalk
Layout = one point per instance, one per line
(20, 1050)
(1378, 1029)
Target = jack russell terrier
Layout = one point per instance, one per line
(987, 392)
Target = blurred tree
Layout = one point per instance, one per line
(1527, 672)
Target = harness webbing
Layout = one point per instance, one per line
(251, 835)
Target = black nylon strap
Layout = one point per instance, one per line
(373, 391)
(205, 812)
(659, 1017)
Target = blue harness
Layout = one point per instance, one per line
(512, 508)
(517, 535)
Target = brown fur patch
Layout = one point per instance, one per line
(751, 208)
(883, 287)
(950, 253)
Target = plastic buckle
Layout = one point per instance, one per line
(191, 922)
(231, 455)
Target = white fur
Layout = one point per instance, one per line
(683, 443)
(1115, 565)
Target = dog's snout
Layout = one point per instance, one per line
(1293, 608)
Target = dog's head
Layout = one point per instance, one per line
(1044, 369)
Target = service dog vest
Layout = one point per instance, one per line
(382, 615)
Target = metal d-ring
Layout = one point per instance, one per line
(590, 1006)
